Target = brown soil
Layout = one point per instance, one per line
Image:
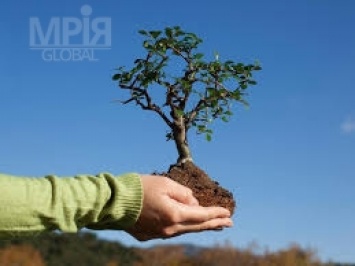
(207, 191)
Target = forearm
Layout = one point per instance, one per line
(32, 205)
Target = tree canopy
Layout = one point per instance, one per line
(196, 91)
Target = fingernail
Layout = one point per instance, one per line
(228, 213)
(195, 202)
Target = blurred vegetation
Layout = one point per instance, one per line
(86, 249)
(72, 250)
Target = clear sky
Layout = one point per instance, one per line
(288, 159)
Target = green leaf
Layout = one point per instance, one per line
(180, 112)
(146, 44)
(224, 119)
(169, 136)
(209, 131)
(243, 86)
(201, 128)
(169, 32)
(208, 137)
(116, 77)
(198, 56)
(211, 91)
(214, 103)
(155, 33)
(143, 32)
(178, 31)
(228, 113)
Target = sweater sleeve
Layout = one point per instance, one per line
(29, 206)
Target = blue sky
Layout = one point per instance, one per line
(288, 159)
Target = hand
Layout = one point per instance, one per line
(169, 209)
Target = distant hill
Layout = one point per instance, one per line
(81, 249)
(85, 249)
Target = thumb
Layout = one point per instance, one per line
(182, 194)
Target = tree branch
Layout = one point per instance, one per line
(194, 112)
(149, 104)
(178, 52)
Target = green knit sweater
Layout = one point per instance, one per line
(29, 206)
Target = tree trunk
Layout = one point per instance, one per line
(182, 146)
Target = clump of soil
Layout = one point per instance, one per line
(205, 190)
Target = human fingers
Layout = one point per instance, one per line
(184, 228)
(181, 193)
(199, 214)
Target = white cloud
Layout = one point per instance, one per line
(348, 126)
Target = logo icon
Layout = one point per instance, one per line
(66, 39)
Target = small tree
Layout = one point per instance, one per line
(196, 91)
